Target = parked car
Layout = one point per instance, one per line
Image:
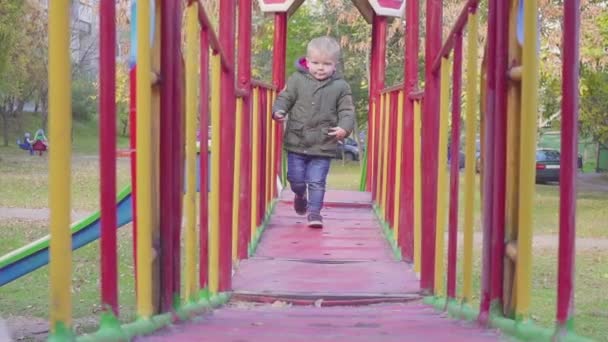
(461, 158)
(349, 148)
(547, 165)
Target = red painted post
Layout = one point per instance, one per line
(107, 146)
(244, 83)
(378, 74)
(569, 155)
(167, 130)
(500, 153)
(430, 138)
(488, 166)
(406, 214)
(454, 165)
(371, 133)
(204, 162)
(179, 154)
(278, 80)
(227, 16)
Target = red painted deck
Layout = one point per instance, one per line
(347, 269)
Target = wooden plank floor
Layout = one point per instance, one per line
(340, 283)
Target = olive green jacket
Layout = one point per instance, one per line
(313, 108)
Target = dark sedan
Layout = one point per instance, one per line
(547, 165)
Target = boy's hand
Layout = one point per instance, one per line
(279, 116)
(338, 132)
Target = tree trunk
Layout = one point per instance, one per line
(4, 126)
(44, 112)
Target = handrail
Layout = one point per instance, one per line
(398, 86)
(448, 45)
(416, 95)
(262, 84)
(214, 42)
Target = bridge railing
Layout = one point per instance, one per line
(234, 168)
(415, 173)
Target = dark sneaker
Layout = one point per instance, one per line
(300, 204)
(315, 220)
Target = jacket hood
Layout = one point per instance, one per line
(302, 67)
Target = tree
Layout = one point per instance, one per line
(594, 105)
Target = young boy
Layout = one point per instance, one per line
(321, 113)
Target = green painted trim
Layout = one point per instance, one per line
(111, 330)
(44, 242)
(61, 333)
(363, 180)
(523, 330)
(255, 240)
(388, 233)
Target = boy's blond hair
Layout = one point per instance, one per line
(325, 45)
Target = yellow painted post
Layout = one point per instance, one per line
(381, 146)
(442, 177)
(268, 147)
(529, 106)
(144, 164)
(255, 159)
(236, 193)
(214, 214)
(417, 188)
(398, 158)
(60, 155)
(469, 180)
(371, 147)
(192, 34)
(385, 149)
(273, 142)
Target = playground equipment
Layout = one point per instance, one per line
(404, 164)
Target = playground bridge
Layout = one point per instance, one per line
(254, 272)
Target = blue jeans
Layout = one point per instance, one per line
(308, 171)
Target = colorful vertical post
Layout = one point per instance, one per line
(398, 162)
(442, 177)
(107, 146)
(430, 129)
(244, 83)
(406, 236)
(227, 14)
(192, 33)
(454, 166)
(255, 161)
(529, 102)
(236, 187)
(144, 164)
(469, 180)
(417, 188)
(60, 128)
(204, 164)
(214, 229)
(567, 180)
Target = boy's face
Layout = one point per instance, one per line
(320, 65)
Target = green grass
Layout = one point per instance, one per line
(29, 296)
(591, 216)
(25, 183)
(344, 175)
(591, 303)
